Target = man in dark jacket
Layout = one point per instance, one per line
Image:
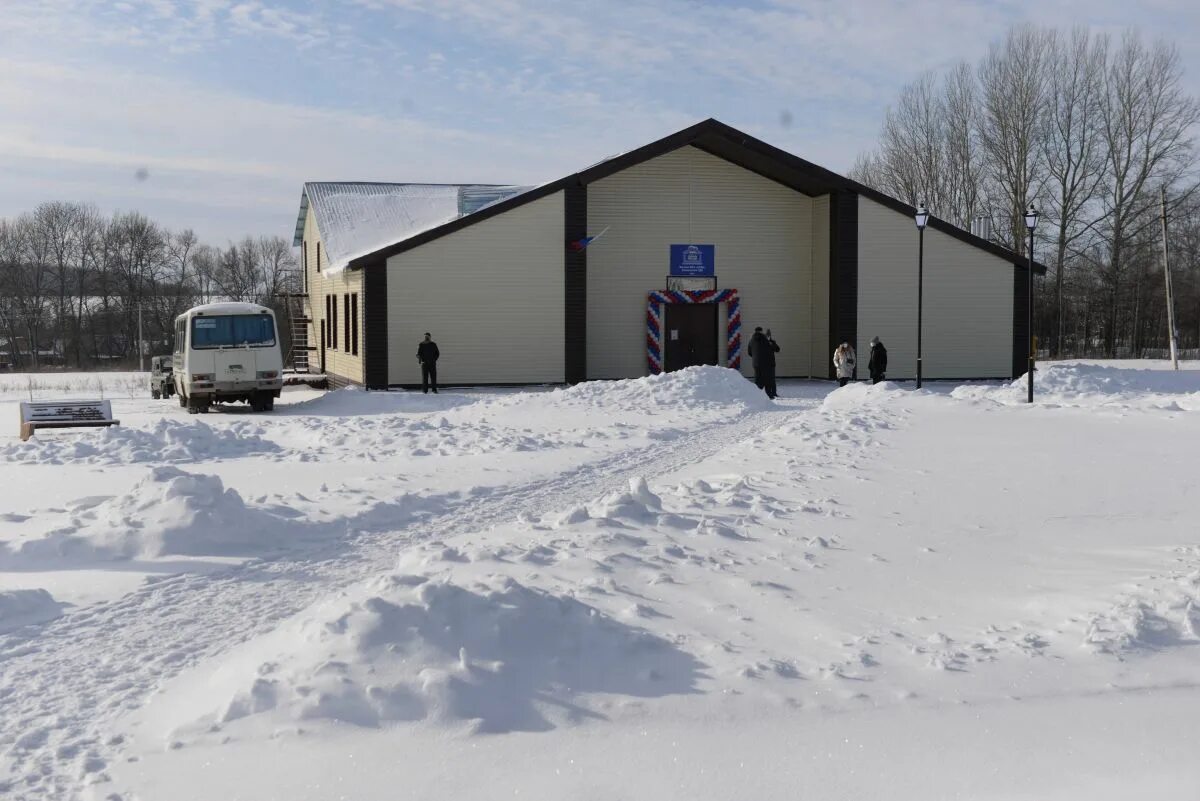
(427, 356)
(878, 363)
(762, 352)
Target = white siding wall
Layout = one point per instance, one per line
(491, 295)
(339, 361)
(967, 306)
(764, 248)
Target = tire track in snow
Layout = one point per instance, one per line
(63, 688)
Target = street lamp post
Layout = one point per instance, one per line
(1031, 218)
(921, 217)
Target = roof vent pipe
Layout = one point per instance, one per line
(981, 227)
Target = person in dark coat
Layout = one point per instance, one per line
(877, 364)
(762, 352)
(427, 356)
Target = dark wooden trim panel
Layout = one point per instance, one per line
(843, 273)
(575, 285)
(375, 325)
(1020, 324)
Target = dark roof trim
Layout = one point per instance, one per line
(725, 142)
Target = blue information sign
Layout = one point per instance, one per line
(693, 259)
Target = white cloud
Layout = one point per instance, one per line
(506, 90)
(209, 148)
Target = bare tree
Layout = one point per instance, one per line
(1013, 81)
(963, 160)
(912, 148)
(1072, 150)
(1146, 122)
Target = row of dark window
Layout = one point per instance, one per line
(329, 326)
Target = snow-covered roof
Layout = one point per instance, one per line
(228, 307)
(358, 218)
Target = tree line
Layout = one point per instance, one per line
(1090, 128)
(72, 283)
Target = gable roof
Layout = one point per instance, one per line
(711, 136)
(357, 218)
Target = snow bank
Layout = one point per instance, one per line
(168, 513)
(496, 656)
(354, 401)
(26, 607)
(1095, 379)
(169, 441)
(1096, 385)
(688, 388)
(852, 396)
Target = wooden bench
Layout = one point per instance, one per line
(64, 414)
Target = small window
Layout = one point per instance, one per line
(346, 322)
(325, 322)
(304, 265)
(318, 256)
(354, 324)
(333, 326)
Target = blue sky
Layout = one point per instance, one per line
(228, 106)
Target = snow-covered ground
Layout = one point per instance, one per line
(663, 588)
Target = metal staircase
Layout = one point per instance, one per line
(297, 359)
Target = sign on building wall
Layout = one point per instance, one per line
(693, 259)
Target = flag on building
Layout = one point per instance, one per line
(580, 244)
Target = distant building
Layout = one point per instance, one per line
(694, 240)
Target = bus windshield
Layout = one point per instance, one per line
(233, 330)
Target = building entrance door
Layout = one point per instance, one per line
(690, 336)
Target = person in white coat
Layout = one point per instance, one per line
(844, 362)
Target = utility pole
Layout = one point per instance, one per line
(1167, 278)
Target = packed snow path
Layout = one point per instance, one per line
(62, 688)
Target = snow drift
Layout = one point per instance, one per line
(689, 388)
(26, 607)
(169, 441)
(495, 656)
(1094, 385)
(168, 513)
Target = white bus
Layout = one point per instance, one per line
(227, 352)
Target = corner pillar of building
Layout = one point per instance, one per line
(575, 284)
(375, 325)
(1020, 322)
(843, 272)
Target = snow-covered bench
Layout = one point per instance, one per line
(64, 414)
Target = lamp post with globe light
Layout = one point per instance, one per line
(922, 218)
(1031, 218)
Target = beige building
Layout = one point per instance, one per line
(660, 258)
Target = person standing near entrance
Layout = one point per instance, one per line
(762, 352)
(427, 356)
(877, 365)
(844, 362)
